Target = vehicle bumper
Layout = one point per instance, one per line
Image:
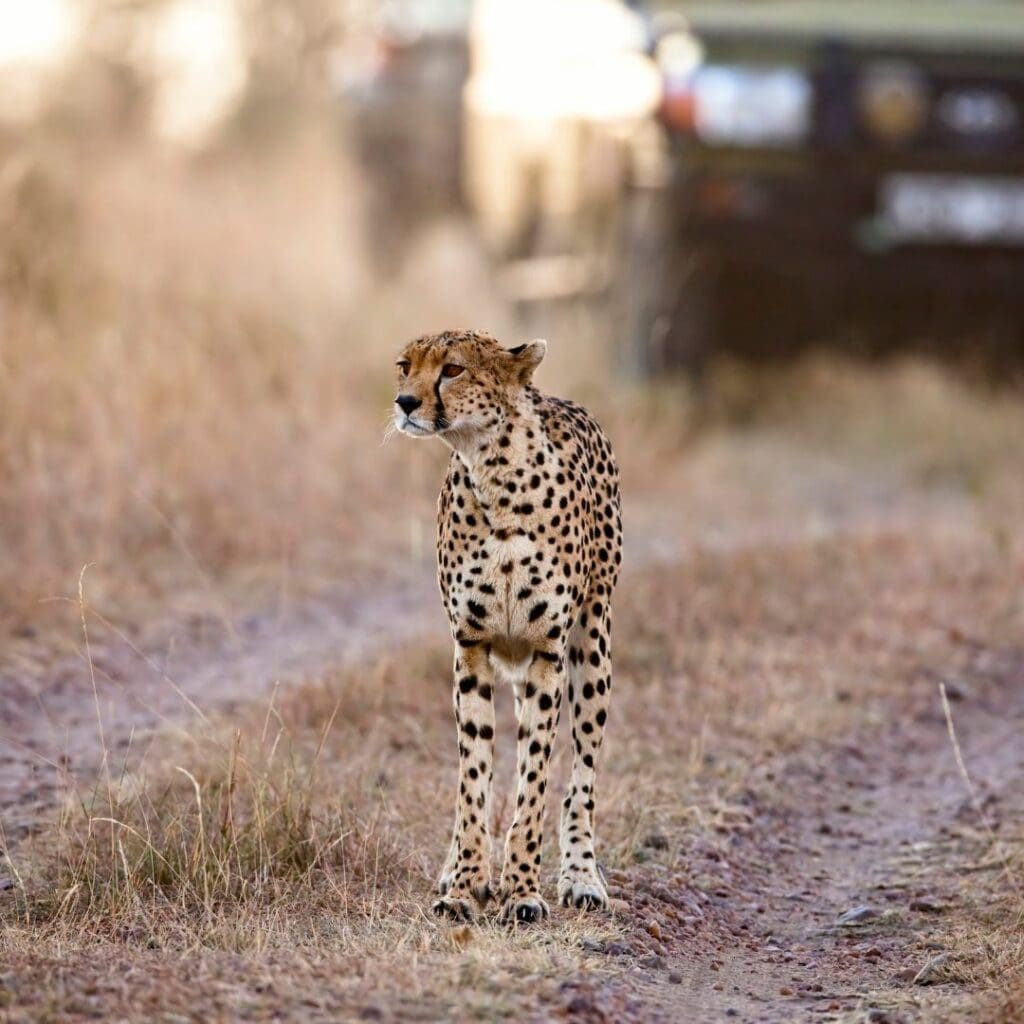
(826, 221)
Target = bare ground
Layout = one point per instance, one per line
(737, 919)
(110, 682)
(882, 827)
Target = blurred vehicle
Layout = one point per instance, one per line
(557, 113)
(829, 160)
(402, 72)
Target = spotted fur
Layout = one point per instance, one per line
(528, 553)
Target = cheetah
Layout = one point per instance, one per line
(528, 554)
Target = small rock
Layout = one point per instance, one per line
(926, 906)
(957, 690)
(675, 977)
(654, 929)
(656, 841)
(592, 946)
(618, 906)
(907, 974)
(652, 960)
(933, 970)
(876, 1015)
(580, 1006)
(6, 884)
(615, 948)
(732, 1013)
(785, 991)
(856, 916)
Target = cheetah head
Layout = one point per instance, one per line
(459, 384)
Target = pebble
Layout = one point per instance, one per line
(652, 960)
(855, 916)
(956, 690)
(653, 928)
(675, 977)
(926, 906)
(656, 841)
(932, 970)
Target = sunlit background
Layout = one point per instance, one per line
(777, 250)
(219, 218)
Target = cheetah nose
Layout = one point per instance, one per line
(408, 403)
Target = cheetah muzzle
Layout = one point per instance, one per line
(528, 553)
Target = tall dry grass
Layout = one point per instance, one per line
(301, 835)
(195, 372)
(194, 360)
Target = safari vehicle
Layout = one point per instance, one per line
(829, 160)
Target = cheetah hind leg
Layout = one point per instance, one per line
(580, 884)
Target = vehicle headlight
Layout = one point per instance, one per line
(746, 106)
(892, 99)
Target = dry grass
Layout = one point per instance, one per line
(194, 363)
(299, 840)
(193, 377)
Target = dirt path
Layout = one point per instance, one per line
(882, 829)
(57, 718)
(744, 928)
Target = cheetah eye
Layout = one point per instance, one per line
(451, 370)
(403, 365)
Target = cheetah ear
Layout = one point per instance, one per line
(526, 358)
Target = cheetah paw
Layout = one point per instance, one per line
(524, 909)
(454, 909)
(583, 895)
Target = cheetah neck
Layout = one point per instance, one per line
(498, 463)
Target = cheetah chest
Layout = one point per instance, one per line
(513, 602)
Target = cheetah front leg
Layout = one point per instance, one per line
(590, 672)
(465, 880)
(538, 700)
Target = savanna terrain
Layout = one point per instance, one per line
(226, 748)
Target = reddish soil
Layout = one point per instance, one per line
(883, 824)
(746, 928)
